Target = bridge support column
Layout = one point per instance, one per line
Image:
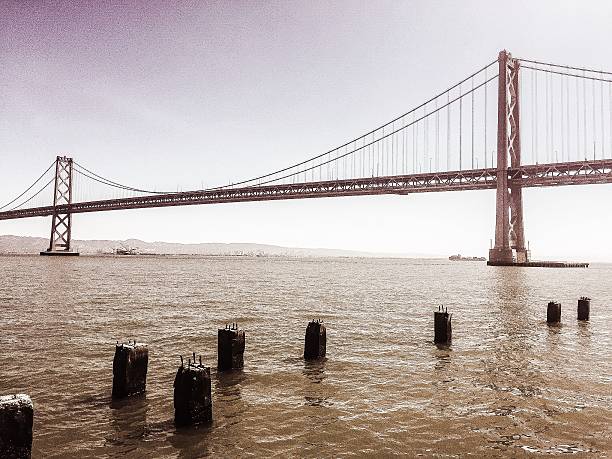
(61, 223)
(509, 230)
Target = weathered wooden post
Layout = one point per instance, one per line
(584, 308)
(16, 419)
(443, 332)
(192, 394)
(130, 369)
(553, 312)
(230, 348)
(315, 341)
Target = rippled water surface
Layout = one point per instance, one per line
(508, 386)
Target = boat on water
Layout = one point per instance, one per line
(458, 257)
(125, 251)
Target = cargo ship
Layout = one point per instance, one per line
(458, 257)
(125, 251)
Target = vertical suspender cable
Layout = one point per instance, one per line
(552, 119)
(485, 119)
(398, 150)
(537, 120)
(577, 118)
(414, 142)
(392, 149)
(585, 153)
(378, 156)
(601, 104)
(567, 115)
(425, 138)
(371, 156)
(448, 130)
(594, 120)
(396, 155)
(610, 114)
(460, 126)
(562, 112)
(345, 163)
(403, 145)
(472, 119)
(533, 116)
(437, 137)
(548, 155)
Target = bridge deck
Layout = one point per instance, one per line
(558, 174)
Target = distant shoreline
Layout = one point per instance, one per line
(10, 244)
(197, 255)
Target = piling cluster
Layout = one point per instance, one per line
(553, 311)
(192, 383)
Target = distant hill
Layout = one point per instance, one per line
(33, 245)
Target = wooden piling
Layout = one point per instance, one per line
(16, 420)
(315, 341)
(443, 332)
(192, 394)
(553, 312)
(230, 348)
(130, 369)
(584, 308)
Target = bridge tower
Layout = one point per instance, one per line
(509, 229)
(61, 223)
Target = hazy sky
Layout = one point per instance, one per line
(174, 94)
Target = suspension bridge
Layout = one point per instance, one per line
(512, 124)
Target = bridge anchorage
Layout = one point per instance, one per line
(61, 220)
(550, 125)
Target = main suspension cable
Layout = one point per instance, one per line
(34, 195)
(413, 123)
(362, 136)
(105, 181)
(29, 188)
(582, 69)
(568, 74)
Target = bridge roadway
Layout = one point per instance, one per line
(557, 174)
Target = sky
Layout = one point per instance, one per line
(176, 95)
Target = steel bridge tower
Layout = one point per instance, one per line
(509, 229)
(61, 223)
